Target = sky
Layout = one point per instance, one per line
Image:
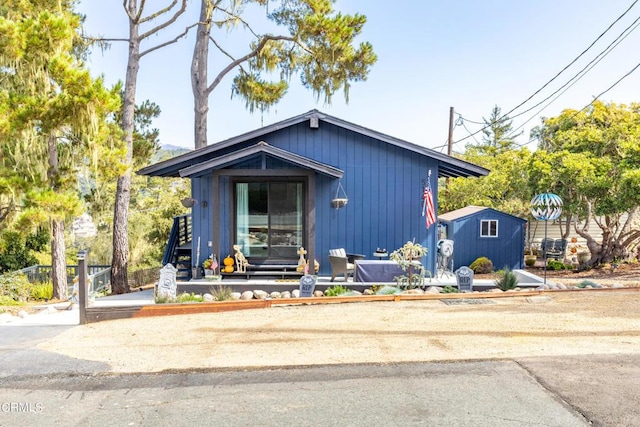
(432, 55)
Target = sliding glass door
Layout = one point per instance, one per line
(269, 218)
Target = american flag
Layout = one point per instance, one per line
(428, 210)
(214, 263)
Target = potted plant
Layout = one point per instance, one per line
(529, 257)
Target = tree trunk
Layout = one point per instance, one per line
(58, 260)
(120, 261)
(199, 64)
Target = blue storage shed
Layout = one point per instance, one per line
(479, 231)
(271, 191)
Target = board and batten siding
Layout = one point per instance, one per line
(383, 183)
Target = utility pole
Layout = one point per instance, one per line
(449, 151)
(450, 141)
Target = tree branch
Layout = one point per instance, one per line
(166, 23)
(174, 40)
(156, 14)
(245, 58)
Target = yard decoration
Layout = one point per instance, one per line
(546, 207)
(408, 258)
(228, 264)
(241, 261)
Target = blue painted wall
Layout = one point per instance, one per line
(506, 250)
(383, 182)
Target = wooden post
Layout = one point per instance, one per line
(82, 285)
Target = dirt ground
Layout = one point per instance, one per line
(552, 324)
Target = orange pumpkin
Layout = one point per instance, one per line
(228, 261)
(228, 269)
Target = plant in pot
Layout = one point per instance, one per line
(529, 257)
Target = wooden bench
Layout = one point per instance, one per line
(276, 270)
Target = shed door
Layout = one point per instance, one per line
(269, 219)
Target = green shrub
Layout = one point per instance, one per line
(388, 290)
(555, 265)
(221, 293)
(186, 297)
(336, 290)
(586, 283)
(508, 280)
(482, 265)
(449, 290)
(41, 291)
(14, 285)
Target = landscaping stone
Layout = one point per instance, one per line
(246, 295)
(433, 290)
(235, 295)
(275, 295)
(318, 294)
(618, 285)
(295, 293)
(258, 294)
(207, 297)
(415, 291)
(562, 286)
(285, 294)
(369, 292)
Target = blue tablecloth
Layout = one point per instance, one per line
(376, 271)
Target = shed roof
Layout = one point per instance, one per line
(447, 166)
(468, 211)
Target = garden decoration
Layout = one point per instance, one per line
(241, 261)
(340, 200)
(546, 207)
(408, 258)
(228, 264)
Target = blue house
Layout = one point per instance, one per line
(274, 189)
(484, 232)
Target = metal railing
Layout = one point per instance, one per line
(42, 273)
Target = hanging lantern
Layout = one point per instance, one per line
(546, 207)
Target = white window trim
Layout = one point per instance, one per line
(489, 221)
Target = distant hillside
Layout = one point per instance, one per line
(168, 151)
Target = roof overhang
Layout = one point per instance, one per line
(261, 149)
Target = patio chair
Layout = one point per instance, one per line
(342, 262)
(557, 251)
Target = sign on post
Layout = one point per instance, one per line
(307, 286)
(464, 279)
(167, 284)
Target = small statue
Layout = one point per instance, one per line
(241, 261)
(302, 262)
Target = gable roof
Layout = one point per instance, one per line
(262, 149)
(447, 166)
(468, 211)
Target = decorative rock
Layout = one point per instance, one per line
(207, 297)
(235, 295)
(617, 285)
(495, 290)
(295, 293)
(258, 294)
(433, 290)
(356, 293)
(285, 294)
(22, 314)
(415, 291)
(542, 287)
(562, 286)
(318, 294)
(275, 295)
(246, 295)
(369, 292)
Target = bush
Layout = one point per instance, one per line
(555, 265)
(508, 280)
(388, 290)
(221, 293)
(482, 265)
(586, 283)
(185, 297)
(336, 290)
(14, 286)
(449, 290)
(41, 291)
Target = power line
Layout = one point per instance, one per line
(552, 79)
